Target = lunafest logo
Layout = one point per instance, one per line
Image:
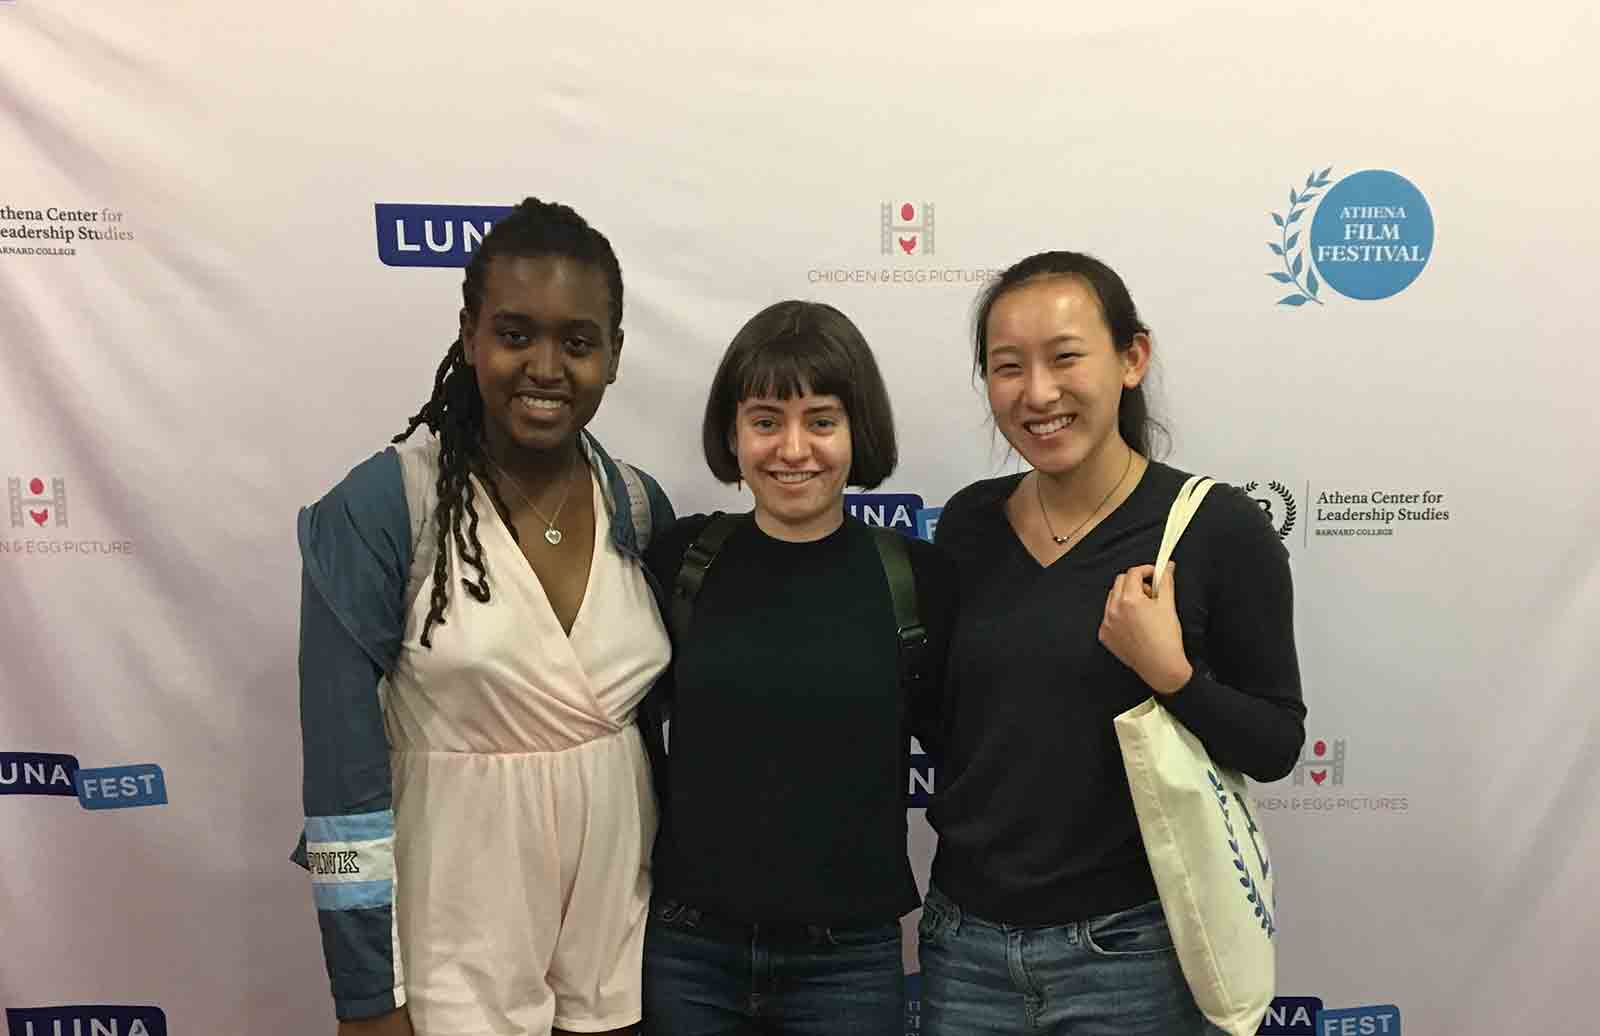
(1369, 236)
(1305, 1016)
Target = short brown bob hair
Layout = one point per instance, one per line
(791, 349)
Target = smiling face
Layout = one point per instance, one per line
(1053, 375)
(542, 349)
(795, 456)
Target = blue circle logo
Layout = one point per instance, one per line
(1372, 235)
(1369, 237)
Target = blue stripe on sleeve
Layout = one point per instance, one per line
(357, 827)
(353, 895)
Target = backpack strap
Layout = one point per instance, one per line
(911, 635)
(638, 504)
(909, 630)
(692, 570)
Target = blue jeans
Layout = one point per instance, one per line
(1113, 975)
(704, 977)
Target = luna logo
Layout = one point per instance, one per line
(897, 511)
(919, 783)
(1291, 1016)
(38, 773)
(86, 1020)
(433, 235)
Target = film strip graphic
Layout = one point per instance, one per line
(34, 509)
(1317, 759)
(905, 229)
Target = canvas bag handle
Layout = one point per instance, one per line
(1183, 509)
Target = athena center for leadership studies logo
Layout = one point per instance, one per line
(1366, 237)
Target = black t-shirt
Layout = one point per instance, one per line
(1035, 820)
(789, 738)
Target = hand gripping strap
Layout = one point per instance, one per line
(1183, 509)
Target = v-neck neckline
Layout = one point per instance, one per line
(527, 569)
(1097, 532)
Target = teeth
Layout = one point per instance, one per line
(794, 476)
(540, 404)
(1047, 427)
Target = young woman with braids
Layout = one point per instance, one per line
(478, 799)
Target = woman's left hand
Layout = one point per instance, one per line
(1143, 631)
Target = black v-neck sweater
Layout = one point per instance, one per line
(1035, 820)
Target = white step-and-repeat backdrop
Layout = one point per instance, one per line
(230, 240)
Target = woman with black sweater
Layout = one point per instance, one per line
(780, 866)
(1043, 916)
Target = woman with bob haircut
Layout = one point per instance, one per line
(780, 868)
(477, 629)
(1043, 915)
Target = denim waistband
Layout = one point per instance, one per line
(673, 912)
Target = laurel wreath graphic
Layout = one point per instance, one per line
(1252, 894)
(1294, 262)
(1290, 512)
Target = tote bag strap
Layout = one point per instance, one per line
(1183, 509)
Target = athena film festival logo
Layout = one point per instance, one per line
(1369, 236)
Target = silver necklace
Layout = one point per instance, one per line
(1062, 541)
(552, 534)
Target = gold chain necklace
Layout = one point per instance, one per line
(1062, 541)
(552, 535)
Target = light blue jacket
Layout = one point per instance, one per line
(356, 551)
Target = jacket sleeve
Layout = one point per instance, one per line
(355, 550)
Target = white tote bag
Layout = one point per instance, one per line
(1210, 860)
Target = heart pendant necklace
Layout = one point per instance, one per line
(552, 535)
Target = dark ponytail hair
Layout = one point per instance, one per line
(1138, 429)
(454, 412)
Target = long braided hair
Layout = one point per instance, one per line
(454, 412)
